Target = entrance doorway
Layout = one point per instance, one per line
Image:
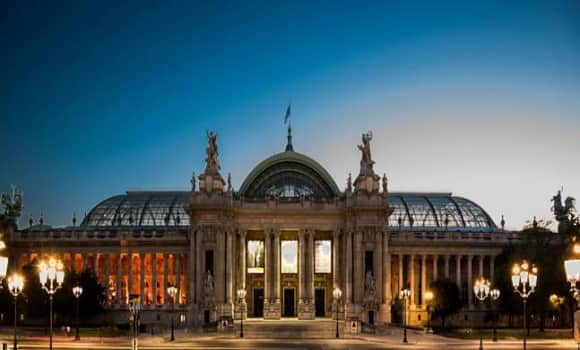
(289, 302)
(258, 302)
(319, 305)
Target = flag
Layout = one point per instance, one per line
(287, 116)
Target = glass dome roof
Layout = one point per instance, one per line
(151, 208)
(411, 211)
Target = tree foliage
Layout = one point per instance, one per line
(446, 299)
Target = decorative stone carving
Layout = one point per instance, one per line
(211, 180)
(208, 290)
(367, 180)
(565, 214)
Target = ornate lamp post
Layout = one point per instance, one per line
(405, 294)
(524, 281)
(481, 289)
(172, 291)
(572, 267)
(241, 297)
(337, 294)
(77, 291)
(15, 285)
(51, 276)
(494, 294)
(428, 296)
(3, 260)
(134, 310)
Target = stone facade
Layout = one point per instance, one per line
(377, 247)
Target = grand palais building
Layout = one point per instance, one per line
(288, 235)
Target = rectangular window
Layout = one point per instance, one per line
(209, 262)
(369, 266)
(322, 257)
(289, 256)
(255, 257)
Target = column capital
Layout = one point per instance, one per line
(470, 257)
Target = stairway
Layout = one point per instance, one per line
(290, 328)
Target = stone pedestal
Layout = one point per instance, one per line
(272, 311)
(305, 310)
(211, 182)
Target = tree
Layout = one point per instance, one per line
(446, 299)
(545, 249)
(90, 302)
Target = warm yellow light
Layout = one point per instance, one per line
(516, 269)
(428, 296)
(576, 248)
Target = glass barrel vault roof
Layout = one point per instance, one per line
(411, 211)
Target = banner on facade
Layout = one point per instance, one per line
(289, 256)
(255, 263)
(322, 257)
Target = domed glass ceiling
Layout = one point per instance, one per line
(411, 211)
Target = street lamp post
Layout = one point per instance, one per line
(524, 281)
(172, 291)
(428, 296)
(481, 289)
(134, 310)
(405, 294)
(77, 291)
(572, 267)
(494, 294)
(241, 297)
(51, 276)
(337, 294)
(15, 285)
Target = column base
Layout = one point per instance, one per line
(385, 313)
(272, 311)
(305, 310)
(353, 311)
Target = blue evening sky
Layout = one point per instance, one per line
(481, 99)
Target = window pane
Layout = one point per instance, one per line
(255, 256)
(289, 257)
(322, 257)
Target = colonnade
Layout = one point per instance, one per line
(144, 273)
(417, 271)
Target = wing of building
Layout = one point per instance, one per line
(288, 236)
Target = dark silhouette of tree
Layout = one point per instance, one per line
(90, 302)
(446, 299)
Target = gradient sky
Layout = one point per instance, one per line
(482, 100)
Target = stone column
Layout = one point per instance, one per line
(200, 273)
(177, 277)
(107, 258)
(491, 268)
(348, 268)
(192, 272)
(469, 280)
(412, 277)
(301, 266)
(219, 267)
(142, 277)
(401, 274)
(119, 278)
(387, 297)
(311, 265)
(458, 271)
(276, 265)
(130, 274)
(379, 266)
(229, 268)
(165, 280)
(481, 265)
(435, 262)
(243, 258)
(154, 276)
(423, 277)
(359, 269)
(267, 267)
(447, 257)
(335, 277)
